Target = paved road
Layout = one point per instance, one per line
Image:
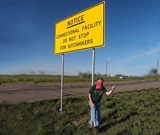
(28, 92)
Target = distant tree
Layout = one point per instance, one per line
(87, 74)
(118, 75)
(32, 72)
(153, 72)
(80, 74)
(84, 74)
(98, 74)
(41, 72)
(24, 73)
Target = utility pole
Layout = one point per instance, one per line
(106, 67)
(157, 65)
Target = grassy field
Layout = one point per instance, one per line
(57, 78)
(131, 111)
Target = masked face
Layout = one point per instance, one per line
(99, 84)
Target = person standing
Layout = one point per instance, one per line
(95, 95)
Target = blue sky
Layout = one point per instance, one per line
(132, 37)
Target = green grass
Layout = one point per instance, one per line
(131, 111)
(57, 78)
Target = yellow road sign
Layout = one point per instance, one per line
(84, 30)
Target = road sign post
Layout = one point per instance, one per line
(93, 72)
(62, 74)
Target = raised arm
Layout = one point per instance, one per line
(111, 91)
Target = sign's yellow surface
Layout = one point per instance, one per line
(84, 30)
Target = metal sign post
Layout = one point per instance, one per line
(93, 72)
(61, 109)
(93, 65)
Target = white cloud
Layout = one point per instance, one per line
(131, 58)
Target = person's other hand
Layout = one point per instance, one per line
(92, 105)
(113, 87)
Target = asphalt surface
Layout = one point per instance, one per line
(13, 93)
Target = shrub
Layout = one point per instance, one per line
(29, 79)
(36, 81)
(44, 80)
(20, 79)
(3, 81)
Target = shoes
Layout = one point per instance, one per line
(96, 130)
